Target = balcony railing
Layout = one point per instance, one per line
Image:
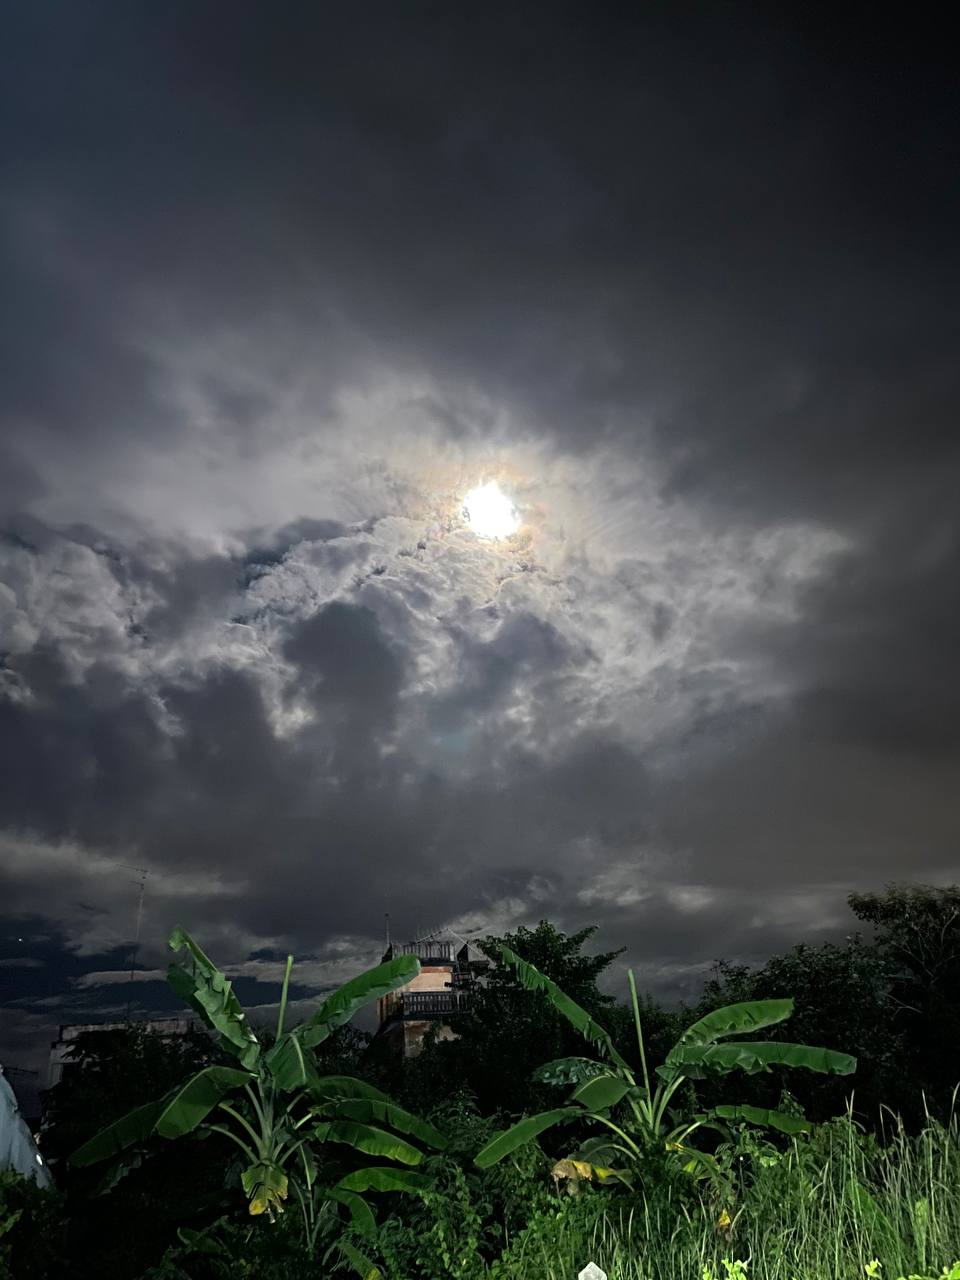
(444, 952)
(421, 1004)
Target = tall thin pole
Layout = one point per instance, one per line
(136, 942)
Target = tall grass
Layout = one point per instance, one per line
(826, 1208)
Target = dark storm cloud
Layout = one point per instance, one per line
(344, 659)
(189, 589)
(277, 286)
(67, 754)
(707, 230)
(522, 648)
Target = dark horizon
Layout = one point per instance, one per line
(277, 291)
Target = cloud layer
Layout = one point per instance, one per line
(277, 294)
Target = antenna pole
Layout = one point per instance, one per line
(136, 943)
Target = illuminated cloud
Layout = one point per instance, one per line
(248, 640)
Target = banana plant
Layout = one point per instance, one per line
(635, 1116)
(292, 1126)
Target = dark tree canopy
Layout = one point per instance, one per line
(892, 1000)
(558, 955)
(112, 1072)
(506, 1031)
(917, 932)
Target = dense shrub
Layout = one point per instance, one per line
(31, 1230)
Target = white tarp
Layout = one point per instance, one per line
(18, 1150)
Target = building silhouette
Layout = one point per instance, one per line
(62, 1063)
(449, 972)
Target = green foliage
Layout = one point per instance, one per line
(641, 1121)
(874, 1270)
(893, 1002)
(505, 1032)
(694, 1060)
(557, 1241)
(458, 1227)
(917, 931)
(734, 1019)
(210, 994)
(31, 1230)
(764, 1117)
(765, 1193)
(919, 925)
(732, 1270)
(791, 1217)
(446, 1237)
(230, 1250)
(524, 1131)
(281, 1113)
(110, 1072)
(533, 980)
(354, 995)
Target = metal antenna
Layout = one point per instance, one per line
(453, 933)
(136, 944)
(386, 928)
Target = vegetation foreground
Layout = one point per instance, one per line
(656, 1146)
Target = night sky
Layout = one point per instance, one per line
(279, 285)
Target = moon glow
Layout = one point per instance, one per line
(489, 512)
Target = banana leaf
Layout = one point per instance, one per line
(599, 1150)
(343, 1004)
(600, 1093)
(762, 1116)
(363, 1266)
(201, 1241)
(754, 1056)
(578, 1018)
(309, 1162)
(575, 1170)
(135, 1126)
(370, 1140)
(377, 1178)
(568, 1071)
(266, 1185)
(336, 1087)
(176, 1113)
(364, 1110)
(699, 1164)
(518, 1135)
(732, 1019)
(291, 1066)
(210, 993)
(362, 1217)
(193, 1102)
(119, 1170)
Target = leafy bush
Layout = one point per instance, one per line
(31, 1230)
(464, 1221)
(636, 1117)
(299, 1134)
(819, 1207)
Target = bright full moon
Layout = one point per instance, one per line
(489, 512)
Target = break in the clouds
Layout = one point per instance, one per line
(279, 288)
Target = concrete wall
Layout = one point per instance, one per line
(414, 1033)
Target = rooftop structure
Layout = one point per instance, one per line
(449, 970)
(61, 1049)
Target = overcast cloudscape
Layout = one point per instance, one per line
(280, 284)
